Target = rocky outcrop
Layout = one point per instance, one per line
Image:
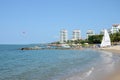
(31, 48)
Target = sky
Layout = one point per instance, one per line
(40, 21)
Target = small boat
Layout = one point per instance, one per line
(65, 46)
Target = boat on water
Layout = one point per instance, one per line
(65, 46)
(106, 42)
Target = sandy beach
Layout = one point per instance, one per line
(115, 75)
(114, 49)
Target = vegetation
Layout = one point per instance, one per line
(55, 42)
(94, 39)
(79, 41)
(115, 37)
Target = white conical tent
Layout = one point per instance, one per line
(106, 40)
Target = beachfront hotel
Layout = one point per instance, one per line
(63, 36)
(76, 35)
(90, 33)
(115, 28)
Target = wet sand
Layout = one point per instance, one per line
(112, 76)
(115, 75)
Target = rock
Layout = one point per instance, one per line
(31, 48)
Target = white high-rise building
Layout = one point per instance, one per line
(90, 33)
(63, 36)
(76, 35)
(115, 28)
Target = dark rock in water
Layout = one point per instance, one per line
(31, 48)
(26, 48)
(43, 48)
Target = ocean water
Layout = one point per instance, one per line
(84, 64)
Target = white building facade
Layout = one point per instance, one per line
(63, 36)
(115, 28)
(90, 33)
(76, 35)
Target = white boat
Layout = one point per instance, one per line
(106, 42)
(65, 46)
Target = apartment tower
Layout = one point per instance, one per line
(90, 33)
(63, 36)
(76, 35)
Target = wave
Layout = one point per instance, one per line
(89, 72)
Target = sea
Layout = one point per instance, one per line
(84, 64)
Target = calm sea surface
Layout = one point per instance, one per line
(53, 64)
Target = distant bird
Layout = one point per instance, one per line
(23, 32)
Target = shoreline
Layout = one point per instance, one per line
(116, 74)
(113, 49)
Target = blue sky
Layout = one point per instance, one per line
(39, 21)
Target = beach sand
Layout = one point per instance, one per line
(112, 76)
(113, 49)
(115, 75)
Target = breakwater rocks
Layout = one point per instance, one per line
(39, 48)
(31, 48)
(28, 48)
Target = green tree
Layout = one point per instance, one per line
(95, 39)
(115, 37)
